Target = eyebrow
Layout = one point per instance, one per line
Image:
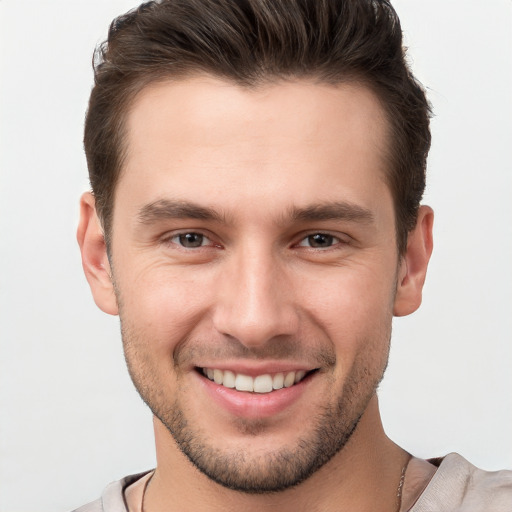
(169, 209)
(340, 210)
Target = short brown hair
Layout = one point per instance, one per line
(251, 42)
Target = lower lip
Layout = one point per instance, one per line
(254, 405)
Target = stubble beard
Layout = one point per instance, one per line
(271, 472)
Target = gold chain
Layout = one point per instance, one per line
(401, 486)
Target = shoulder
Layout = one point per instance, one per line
(458, 485)
(94, 506)
(112, 498)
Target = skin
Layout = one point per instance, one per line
(256, 173)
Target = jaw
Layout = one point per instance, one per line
(368, 456)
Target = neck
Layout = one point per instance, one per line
(363, 476)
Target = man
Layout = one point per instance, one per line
(257, 169)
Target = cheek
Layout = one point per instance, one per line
(354, 309)
(348, 299)
(163, 305)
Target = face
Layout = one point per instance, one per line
(255, 269)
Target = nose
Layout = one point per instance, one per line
(255, 299)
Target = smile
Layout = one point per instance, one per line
(264, 383)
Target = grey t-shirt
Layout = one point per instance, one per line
(457, 486)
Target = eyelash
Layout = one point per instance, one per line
(334, 240)
(179, 238)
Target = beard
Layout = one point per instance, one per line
(273, 470)
(270, 472)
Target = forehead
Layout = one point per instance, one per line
(226, 143)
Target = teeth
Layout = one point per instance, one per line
(299, 376)
(218, 376)
(278, 381)
(244, 383)
(289, 380)
(229, 380)
(261, 384)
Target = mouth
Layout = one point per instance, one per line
(264, 383)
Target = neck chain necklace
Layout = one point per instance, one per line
(401, 485)
(398, 491)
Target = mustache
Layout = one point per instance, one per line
(279, 348)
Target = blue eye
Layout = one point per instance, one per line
(319, 241)
(190, 240)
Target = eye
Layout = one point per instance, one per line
(190, 240)
(319, 241)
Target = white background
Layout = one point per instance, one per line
(70, 421)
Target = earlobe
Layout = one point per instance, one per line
(413, 267)
(94, 256)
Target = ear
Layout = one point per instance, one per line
(94, 256)
(413, 265)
